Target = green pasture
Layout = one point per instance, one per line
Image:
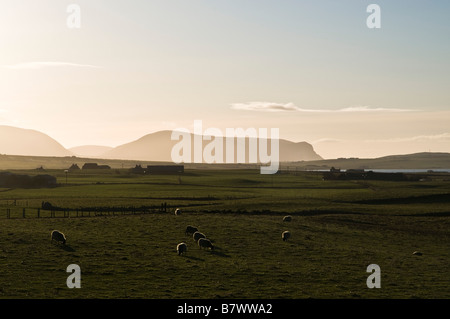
(338, 229)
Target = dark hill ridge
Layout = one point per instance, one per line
(412, 161)
(425, 160)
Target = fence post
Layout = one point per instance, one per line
(38, 213)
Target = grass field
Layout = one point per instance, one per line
(338, 229)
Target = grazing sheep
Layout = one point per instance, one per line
(417, 253)
(181, 248)
(197, 235)
(58, 237)
(190, 230)
(177, 211)
(205, 243)
(287, 218)
(286, 235)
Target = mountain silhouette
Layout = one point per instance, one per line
(158, 147)
(151, 147)
(19, 141)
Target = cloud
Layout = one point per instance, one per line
(264, 106)
(327, 140)
(290, 107)
(370, 109)
(419, 138)
(41, 65)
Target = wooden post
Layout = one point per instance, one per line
(23, 212)
(38, 213)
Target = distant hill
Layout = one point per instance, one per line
(18, 141)
(155, 147)
(409, 161)
(90, 150)
(158, 147)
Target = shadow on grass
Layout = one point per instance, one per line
(217, 252)
(193, 258)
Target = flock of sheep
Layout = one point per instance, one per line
(197, 236)
(204, 242)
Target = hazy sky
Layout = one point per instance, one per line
(313, 69)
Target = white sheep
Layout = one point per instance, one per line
(205, 243)
(58, 237)
(197, 235)
(181, 248)
(177, 211)
(286, 235)
(287, 218)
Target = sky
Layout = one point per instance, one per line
(311, 68)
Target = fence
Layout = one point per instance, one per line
(23, 212)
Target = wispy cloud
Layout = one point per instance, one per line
(419, 138)
(372, 109)
(290, 107)
(265, 106)
(327, 140)
(41, 65)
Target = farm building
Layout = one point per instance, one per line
(138, 169)
(95, 166)
(74, 167)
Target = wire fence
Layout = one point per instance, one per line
(27, 212)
